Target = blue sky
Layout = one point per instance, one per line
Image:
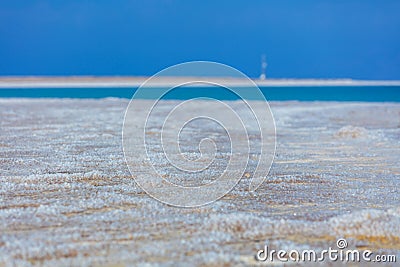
(302, 39)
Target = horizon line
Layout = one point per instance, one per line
(91, 81)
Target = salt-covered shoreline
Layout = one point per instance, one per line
(67, 197)
(127, 81)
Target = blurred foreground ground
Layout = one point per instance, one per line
(67, 197)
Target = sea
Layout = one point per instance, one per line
(271, 93)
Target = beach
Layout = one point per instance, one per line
(68, 198)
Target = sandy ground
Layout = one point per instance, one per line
(67, 197)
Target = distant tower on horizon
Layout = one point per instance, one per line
(263, 67)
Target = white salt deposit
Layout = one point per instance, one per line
(67, 197)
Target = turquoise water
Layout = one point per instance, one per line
(300, 93)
